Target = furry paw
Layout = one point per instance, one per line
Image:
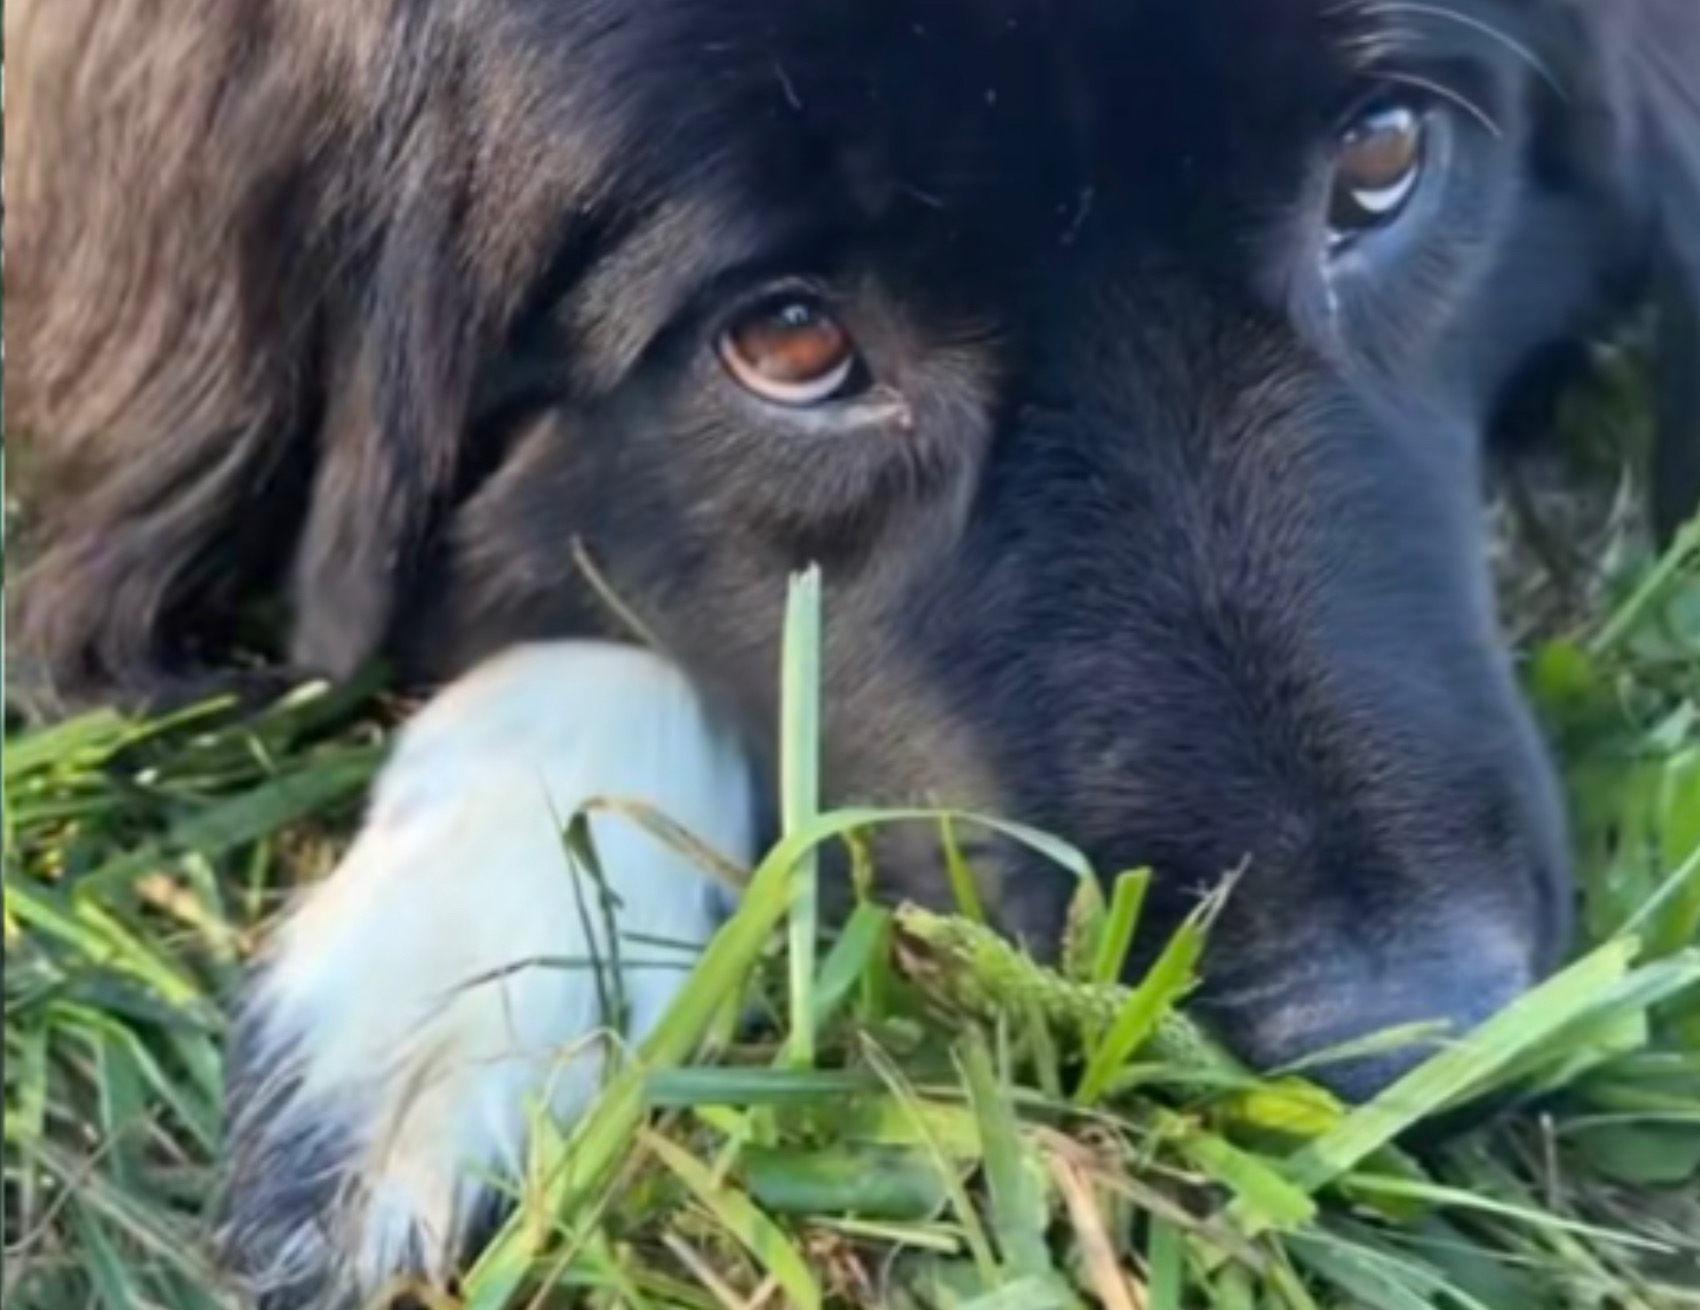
(418, 1005)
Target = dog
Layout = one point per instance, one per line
(1129, 370)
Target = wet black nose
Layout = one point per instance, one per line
(1347, 1006)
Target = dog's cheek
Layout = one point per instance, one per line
(441, 986)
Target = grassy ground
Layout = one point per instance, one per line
(920, 1123)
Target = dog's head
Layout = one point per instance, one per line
(1127, 368)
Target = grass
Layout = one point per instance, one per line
(923, 1118)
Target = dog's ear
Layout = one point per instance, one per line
(1635, 115)
(148, 415)
(248, 298)
(398, 390)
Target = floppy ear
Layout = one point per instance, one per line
(150, 418)
(396, 413)
(1639, 108)
(247, 306)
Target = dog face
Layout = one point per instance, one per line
(1126, 368)
(1129, 386)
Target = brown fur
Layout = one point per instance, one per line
(194, 189)
(193, 377)
(1155, 523)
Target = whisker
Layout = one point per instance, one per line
(1451, 94)
(1451, 14)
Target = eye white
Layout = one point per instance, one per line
(1384, 202)
(799, 394)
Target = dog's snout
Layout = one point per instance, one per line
(1358, 1022)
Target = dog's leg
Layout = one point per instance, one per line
(420, 1004)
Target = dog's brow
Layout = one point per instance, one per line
(1446, 47)
(1439, 31)
(631, 293)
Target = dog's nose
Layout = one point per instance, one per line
(1357, 1031)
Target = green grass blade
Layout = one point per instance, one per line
(1463, 1068)
(1015, 1186)
(1155, 997)
(1165, 1255)
(1126, 904)
(860, 1180)
(758, 1234)
(799, 798)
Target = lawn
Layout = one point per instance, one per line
(922, 1118)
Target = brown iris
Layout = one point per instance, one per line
(1376, 169)
(790, 351)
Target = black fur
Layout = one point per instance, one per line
(1149, 531)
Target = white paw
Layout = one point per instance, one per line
(418, 1004)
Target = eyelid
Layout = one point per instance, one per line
(732, 305)
(879, 406)
(1465, 86)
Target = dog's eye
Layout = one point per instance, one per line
(789, 350)
(1378, 163)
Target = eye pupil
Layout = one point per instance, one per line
(790, 351)
(1378, 163)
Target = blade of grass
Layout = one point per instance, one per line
(1099, 1258)
(1156, 995)
(758, 1234)
(157, 1234)
(684, 1089)
(718, 978)
(1629, 615)
(799, 799)
(88, 738)
(965, 893)
(1027, 1294)
(973, 1231)
(1126, 904)
(1020, 1212)
(1264, 1194)
(865, 939)
(240, 820)
(862, 1180)
(1455, 1072)
(1165, 1255)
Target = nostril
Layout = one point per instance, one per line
(1419, 1012)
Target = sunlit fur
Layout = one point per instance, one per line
(1152, 518)
(418, 1005)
